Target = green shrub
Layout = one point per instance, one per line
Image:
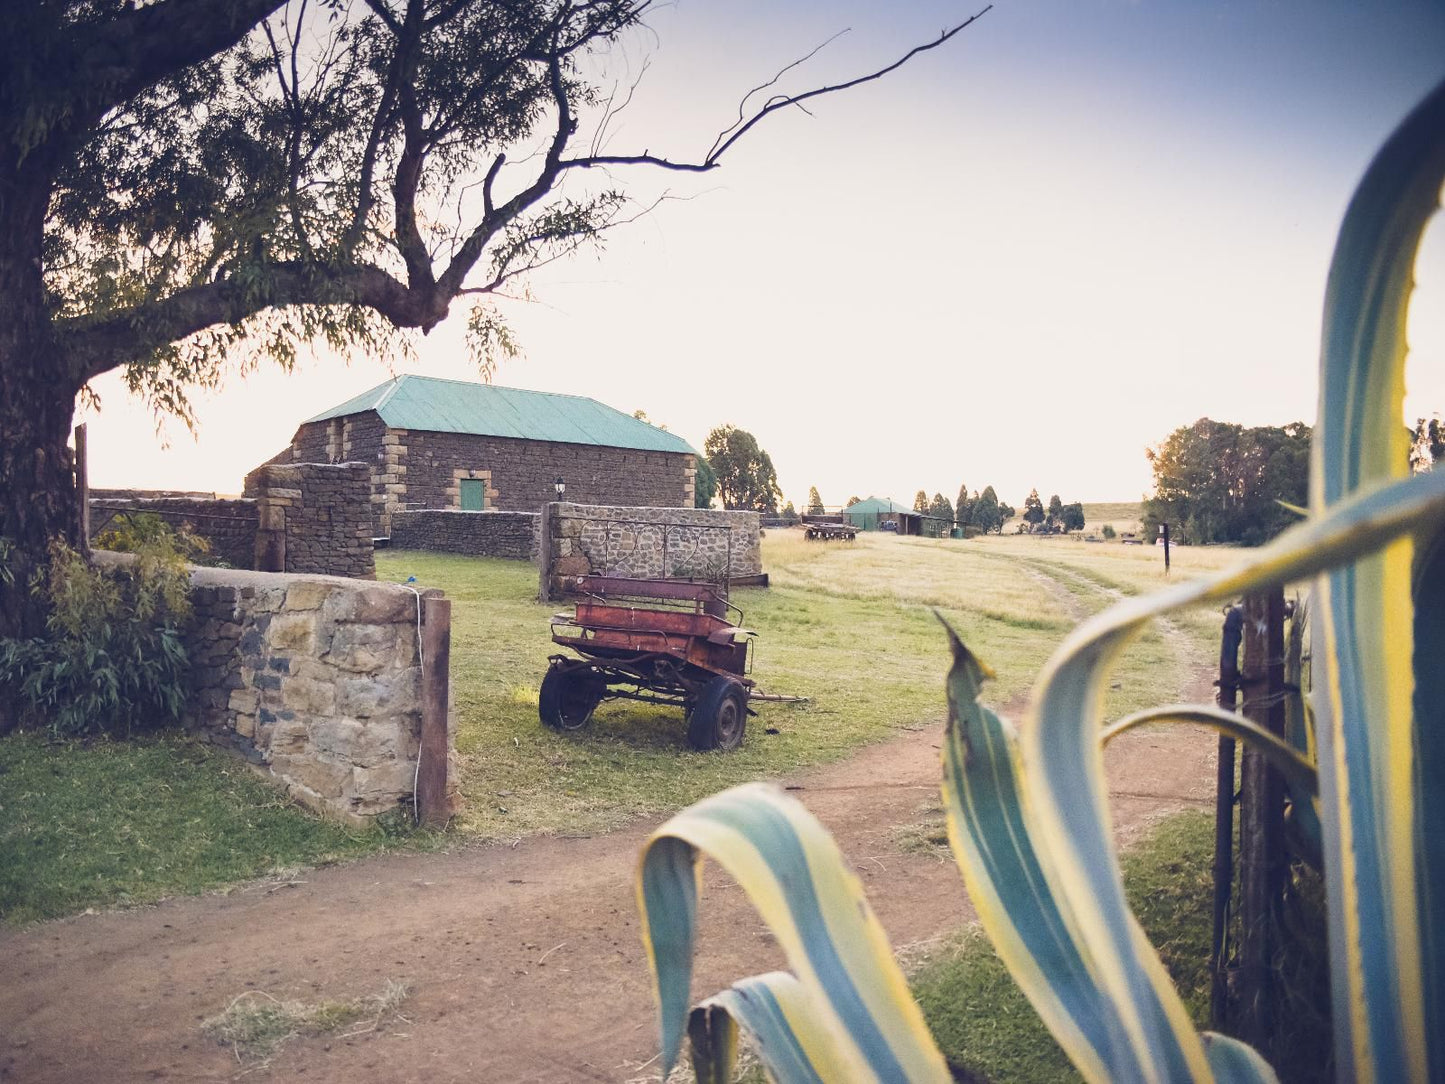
(111, 660)
(1109, 531)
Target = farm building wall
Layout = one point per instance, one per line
(322, 512)
(317, 679)
(477, 534)
(300, 517)
(647, 543)
(417, 469)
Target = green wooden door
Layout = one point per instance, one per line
(474, 495)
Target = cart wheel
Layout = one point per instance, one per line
(568, 698)
(719, 716)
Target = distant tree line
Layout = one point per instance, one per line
(1221, 482)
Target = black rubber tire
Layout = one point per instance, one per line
(568, 698)
(719, 717)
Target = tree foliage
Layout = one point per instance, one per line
(815, 502)
(185, 182)
(1427, 443)
(1033, 509)
(920, 502)
(745, 475)
(1220, 482)
(986, 515)
(961, 507)
(1071, 517)
(942, 513)
(705, 484)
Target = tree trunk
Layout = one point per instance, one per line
(37, 487)
(37, 404)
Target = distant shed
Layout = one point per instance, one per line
(873, 513)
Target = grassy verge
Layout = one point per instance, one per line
(849, 626)
(982, 1022)
(119, 823)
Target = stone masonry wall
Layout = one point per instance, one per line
(415, 469)
(228, 526)
(324, 512)
(648, 543)
(477, 534)
(355, 438)
(316, 678)
(522, 474)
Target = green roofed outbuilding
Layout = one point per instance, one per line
(434, 443)
(875, 512)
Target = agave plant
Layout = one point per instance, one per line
(1026, 809)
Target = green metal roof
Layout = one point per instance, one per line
(458, 406)
(878, 506)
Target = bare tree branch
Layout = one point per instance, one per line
(718, 149)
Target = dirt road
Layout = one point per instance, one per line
(525, 961)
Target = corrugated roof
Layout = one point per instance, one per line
(459, 406)
(878, 506)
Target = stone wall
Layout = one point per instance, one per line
(477, 534)
(228, 526)
(294, 517)
(315, 517)
(647, 543)
(415, 469)
(315, 678)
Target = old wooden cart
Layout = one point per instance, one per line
(657, 641)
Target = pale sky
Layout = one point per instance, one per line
(1016, 262)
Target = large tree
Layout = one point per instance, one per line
(1219, 482)
(985, 514)
(745, 475)
(1033, 509)
(181, 180)
(815, 502)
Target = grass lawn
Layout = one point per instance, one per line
(116, 823)
(848, 625)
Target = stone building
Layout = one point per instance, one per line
(435, 443)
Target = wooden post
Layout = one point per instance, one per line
(1261, 815)
(1224, 823)
(82, 487)
(1164, 529)
(544, 554)
(433, 746)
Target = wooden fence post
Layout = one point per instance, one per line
(82, 487)
(1224, 822)
(1261, 816)
(433, 747)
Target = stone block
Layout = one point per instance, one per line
(289, 737)
(384, 783)
(322, 777)
(307, 595)
(242, 700)
(308, 697)
(362, 697)
(371, 648)
(245, 725)
(376, 604)
(293, 632)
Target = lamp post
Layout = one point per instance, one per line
(560, 486)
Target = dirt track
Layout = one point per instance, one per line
(525, 961)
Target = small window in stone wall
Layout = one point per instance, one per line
(474, 494)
